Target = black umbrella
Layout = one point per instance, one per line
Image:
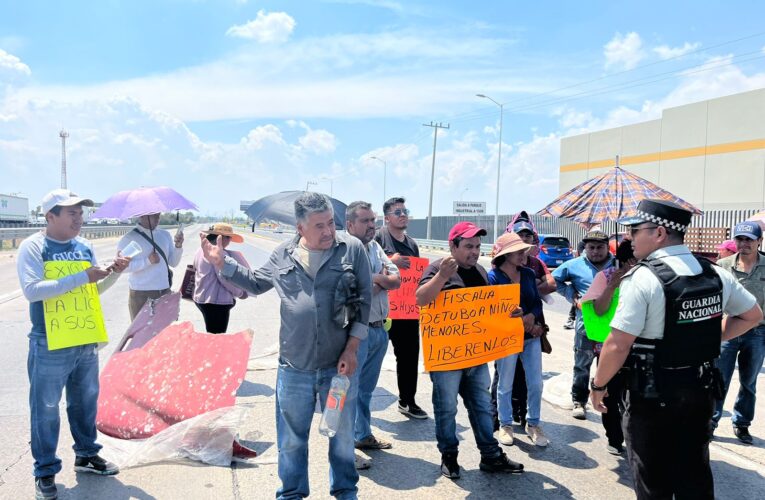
(280, 207)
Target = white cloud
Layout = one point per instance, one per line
(389, 74)
(624, 51)
(318, 141)
(273, 27)
(12, 64)
(667, 52)
(259, 137)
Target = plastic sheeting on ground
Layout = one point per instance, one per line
(205, 438)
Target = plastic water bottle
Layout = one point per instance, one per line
(330, 419)
(133, 249)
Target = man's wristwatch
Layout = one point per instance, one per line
(594, 387)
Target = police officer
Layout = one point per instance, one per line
(667, 332)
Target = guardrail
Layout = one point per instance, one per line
(16, 235)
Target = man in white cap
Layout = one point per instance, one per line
(75, 368)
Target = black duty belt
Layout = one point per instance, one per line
(376, 324)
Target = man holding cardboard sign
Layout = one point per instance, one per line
(461, 270)
(58, 273)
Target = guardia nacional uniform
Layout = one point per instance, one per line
(673, 303)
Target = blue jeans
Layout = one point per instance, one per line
(75, 368)
(473, 385)
(750, 350)
(584, 354)
(531, 357)
(370, 355)
(296, 393)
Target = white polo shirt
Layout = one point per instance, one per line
(641, 306)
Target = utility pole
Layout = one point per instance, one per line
(435, 126)
(63, 134)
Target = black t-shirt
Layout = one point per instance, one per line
(402, 248)
(471, 277)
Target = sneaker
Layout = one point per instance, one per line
(45, 488)
(500, 463)
(615, 449)
(411, 410)
(579, 412)
(569, 324)
(505, 435)
(96, 465)
(537, 435)
(742, 433)
(449, 466)
(361, 463)
(373, 443)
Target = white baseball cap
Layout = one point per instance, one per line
(63, 198)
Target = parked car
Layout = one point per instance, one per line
(554, 249)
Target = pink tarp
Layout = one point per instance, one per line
(177, 375)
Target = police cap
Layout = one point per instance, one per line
(661, 213)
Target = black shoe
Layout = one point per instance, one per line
(742, 433)
(569, 325)
(411, 410)
(45, 488)
(449, 466)
(500, 463)
(95, 465)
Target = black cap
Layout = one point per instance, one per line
(596, 236)
(661, 213)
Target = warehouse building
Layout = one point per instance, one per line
(710, 153)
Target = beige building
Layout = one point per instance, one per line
(710, 153)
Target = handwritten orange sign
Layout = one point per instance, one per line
(403, 304)
(470, 326)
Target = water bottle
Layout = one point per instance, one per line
(330, 419)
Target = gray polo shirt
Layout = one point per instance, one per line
(754, 282)
(310, 337)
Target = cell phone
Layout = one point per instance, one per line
(212, 238)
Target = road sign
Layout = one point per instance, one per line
(469, 208)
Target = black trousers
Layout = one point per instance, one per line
(404, 334)
(216, 316)
(668, 441)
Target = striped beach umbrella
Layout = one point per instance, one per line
(608, 197)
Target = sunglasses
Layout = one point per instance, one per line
(400, 212)
(635, 230)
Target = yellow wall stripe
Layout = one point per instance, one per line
(715, 149)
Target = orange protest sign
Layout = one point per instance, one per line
(403, 304)
(467, 327)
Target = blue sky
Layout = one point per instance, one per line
(232, 99)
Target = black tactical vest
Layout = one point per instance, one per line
(693, 318)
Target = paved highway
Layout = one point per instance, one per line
(575, 465)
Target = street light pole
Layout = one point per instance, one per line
(435, 126)
(385, 174)
(499, 161)
(463, 193)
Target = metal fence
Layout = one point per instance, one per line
(566, 227)
(16, 235)
(545, 225)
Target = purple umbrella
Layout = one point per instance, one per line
(143, 201)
